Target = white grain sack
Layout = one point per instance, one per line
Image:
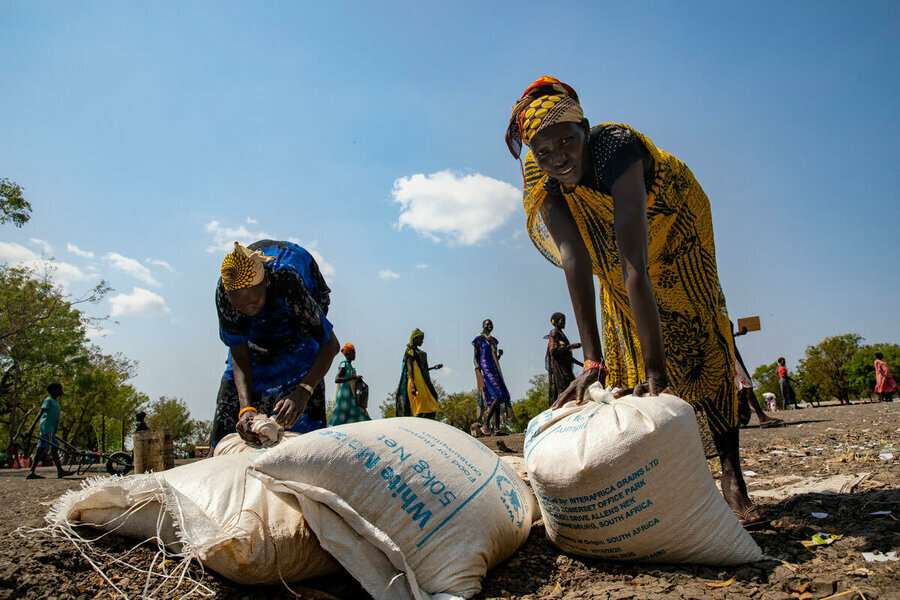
(411, 507)
(626, 479)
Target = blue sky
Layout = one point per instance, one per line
(149, 136)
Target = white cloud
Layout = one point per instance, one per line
(161, 263)
(78, 251)
(44, 244)
(63, 273)
(132, 267)
(139, 302)
(15, 253)
(387, 274)
(225, 237)
(251, 221)
(421, 266)
(463, 209)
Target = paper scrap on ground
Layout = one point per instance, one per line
(750, 473)
(879, 557)
(821, 539)
(879, 513)
(886, 456)
(819, 515)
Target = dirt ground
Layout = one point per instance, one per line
(815, 443)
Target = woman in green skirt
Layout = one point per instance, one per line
(346, 410)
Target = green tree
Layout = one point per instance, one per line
(388, 407)
(534, 403)
(42, 339)
(13, 206)
(861, 367)
(169, 412)
(827, 364)
(200, 432)
(460, 409)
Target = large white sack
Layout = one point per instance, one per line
(209, 510)
(627, 479)
(234, 444)
(411, 507)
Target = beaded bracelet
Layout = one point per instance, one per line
(246, 409)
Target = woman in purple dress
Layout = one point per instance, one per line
(487, 365)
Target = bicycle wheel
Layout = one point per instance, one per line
(119, 463)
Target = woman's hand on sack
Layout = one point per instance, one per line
(243, 428)
(654, 386)
(289, 408)
(575, 346)
(578, 388)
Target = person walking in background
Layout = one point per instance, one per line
(885, 386)
(559, 360)
(346, 410)
(272, 303)
(415, 395)
(50, 415)
(746, 397)
(490, 377)
(788, 398)
(607, 202)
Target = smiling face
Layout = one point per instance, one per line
(249, 300)
(487, 326)
(561, 151)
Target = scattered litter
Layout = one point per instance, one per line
(720, 584)
(776, 452)
(819, 515)
(886, 456)
(879, 557)
(843, 594)
(750, 473)
(821, 539)
(880, 513)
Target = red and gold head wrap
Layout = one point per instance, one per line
(243, 268)
(348, 347)
(546, 102)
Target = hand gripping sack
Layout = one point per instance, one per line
(626, 479)
(412, 508)
(209, 510)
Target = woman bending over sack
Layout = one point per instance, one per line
(606, 202)
(272, 301)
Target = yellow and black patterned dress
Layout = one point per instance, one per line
(681, 262)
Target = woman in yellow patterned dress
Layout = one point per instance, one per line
(606, 202)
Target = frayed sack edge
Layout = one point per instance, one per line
(153, 489)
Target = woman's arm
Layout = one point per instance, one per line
(410, 374)
(576, 264)
(342, 378)
(288, 409)
(630, 209)
(242, 367)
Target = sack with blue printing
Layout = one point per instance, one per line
(412, 508)
(626, 479)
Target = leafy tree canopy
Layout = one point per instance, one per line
(827, 364)
(14, 208)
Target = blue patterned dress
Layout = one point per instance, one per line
(494, 386)
(283, 337)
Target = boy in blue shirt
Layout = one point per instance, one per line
(49, 415)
